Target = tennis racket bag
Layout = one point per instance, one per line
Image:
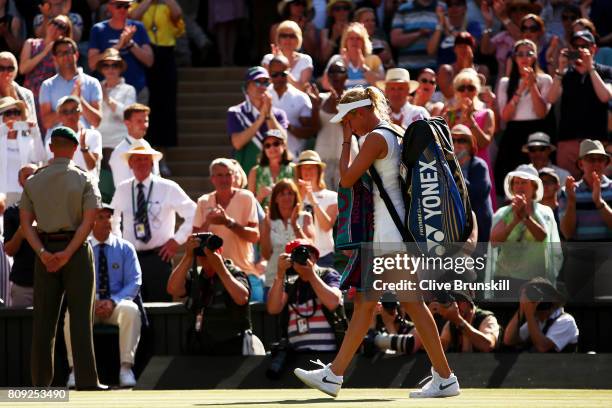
(436, 202)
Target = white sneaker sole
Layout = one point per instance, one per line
(305, 378)
(443, 394)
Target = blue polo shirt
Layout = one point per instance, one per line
(56, 87)
(124, 273)
(103, 36)
(590, 226)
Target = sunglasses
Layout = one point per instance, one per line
(549, 182)
(282, 74)
(273, 144)
(341, 8)
(287, 35)
(463, 88)
(12, 113)
(456, 4)
(428, 81)
(522, 54)
(7, 68)
(460, 140)
(337, 72)
(569, 17)
(262, 84)
(111, 65)
(535, 149)
(595, 159)
(581, 46)
(69, 111)
(121, 5)
(59, 25)
(530, 29)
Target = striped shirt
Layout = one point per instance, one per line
(320, 335)
(412, 17)
(590, 226)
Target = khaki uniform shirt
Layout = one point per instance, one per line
(58, 194)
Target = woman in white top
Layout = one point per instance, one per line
(117, 95)
(20, 143)
(288, 41)
(284, 222)
(522, 104)
(320, 202)
(361, 111)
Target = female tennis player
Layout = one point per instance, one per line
(361, 111)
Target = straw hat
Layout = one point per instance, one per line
(143, 151)
(588, 146)
(398, 75)
(111, 54)
(9, 102)
(528, 172)
(310, 157)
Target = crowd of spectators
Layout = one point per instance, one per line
(524, 85)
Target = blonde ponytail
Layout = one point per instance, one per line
(379, 101)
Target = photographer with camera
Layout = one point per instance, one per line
(391, 330)
(217, 295)
(311, 297)
(468, 328)
(540, 324)
(584, 89)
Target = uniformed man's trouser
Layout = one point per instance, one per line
(76, 279)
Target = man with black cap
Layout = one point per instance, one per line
(584, 88)
(63, 200)
(540, 324)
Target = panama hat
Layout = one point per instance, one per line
(528, 172)
(398, 75)
(588, 146)
(111, 54)
(143, 151)
(538, 139)
(9, 102)
(310, 157)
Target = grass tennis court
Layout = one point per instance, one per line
(354, 397)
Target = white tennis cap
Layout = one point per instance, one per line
(344, 108)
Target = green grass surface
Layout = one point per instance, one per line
(369, 398)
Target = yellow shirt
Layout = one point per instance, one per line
(160, 27)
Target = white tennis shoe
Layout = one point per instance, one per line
(438, 387)
(322, 379)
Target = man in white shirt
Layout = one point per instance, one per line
(69, 111)
(136, 119)
(397, 87)
(147, 204)
(296, 104)
(541, 324)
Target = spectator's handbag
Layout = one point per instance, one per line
(251, 345)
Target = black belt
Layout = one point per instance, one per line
(57, 236)
(146, 252)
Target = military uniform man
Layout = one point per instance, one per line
(63, 200)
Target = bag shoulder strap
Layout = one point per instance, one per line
(383, 192)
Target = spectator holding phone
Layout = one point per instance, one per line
(584, 89)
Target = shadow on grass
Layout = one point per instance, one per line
(294, 402)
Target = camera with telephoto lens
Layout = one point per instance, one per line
(535, 294)
(207, 240)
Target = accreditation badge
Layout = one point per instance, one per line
(140, 231)
(302, 325)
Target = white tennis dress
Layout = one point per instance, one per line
(385, 230)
